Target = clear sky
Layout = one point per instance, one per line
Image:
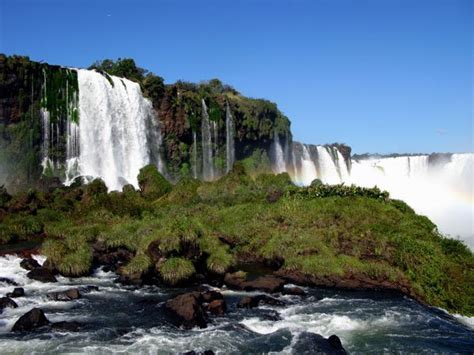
(380, 75)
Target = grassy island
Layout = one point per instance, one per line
(342, 236)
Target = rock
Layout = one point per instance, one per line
(186, 310)
(29, 264)
(8, 281)
(67, 326)
(205, 352)
(293, 291)
(130, 279)
(274, 196)
(30, 320)
(17, 292)
(255, 301)
(68, 295)
(89, 288)
(269, 283)
(6, 302)
(41, 274)
(49, 265)
(209, 296)
(217, 307)
(111, 259)
(311, 343)
(270, 315)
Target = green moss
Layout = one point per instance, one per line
(153, 185)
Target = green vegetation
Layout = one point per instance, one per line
(336, 232)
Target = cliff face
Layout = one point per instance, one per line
(39, 103)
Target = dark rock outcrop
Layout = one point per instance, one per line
(41, 274)
(30, 320)
(217, 307)
(293, 291)
(269, 283)
(67, 326)
(110, 258)
(17, 292)
(8, 281)
(6, 302)
(68, 295)
(29, 264)
(311, 343)
(255, 301)
(186, 310)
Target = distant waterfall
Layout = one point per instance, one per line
(207, 153)
(229, 147)
(194, 157)
(329, 173)
(279, 165)
(113, 137)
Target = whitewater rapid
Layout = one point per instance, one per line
(119, 319)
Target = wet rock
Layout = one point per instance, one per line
(41, 274)
(186, 310)
(311, 343)
(269, 283)
(274, 196)
(217, 307)
(67, 326)
(111, 259)
(293, 291)
(6, 302)
(30, 320)
(255, 301)
(8, 281)
(17, 292)
(29, 264)
(271, 315)
(89, 288)
(130, 280)
(49, 265)
(209, 296)
(68, 295)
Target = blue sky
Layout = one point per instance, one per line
(380, 75)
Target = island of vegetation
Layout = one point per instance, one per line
(196, 232)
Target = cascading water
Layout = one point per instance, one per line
(112, 129)
(328, 169)
(207, 153)
(229, 147)
(194, 163)
(307, 172)
(279, 165)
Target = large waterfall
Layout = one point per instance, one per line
(441, 190)
(113, 129)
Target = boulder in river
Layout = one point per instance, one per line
(6, 302)
(186, 310)
(217, 307)
(17, 292)
(293, 291)
(29, 264)
(8, 281)
(41, 274)
(311, 343)
(68, 295)
(255, 301)
(30, 320)
(67, 326)
(268, 283)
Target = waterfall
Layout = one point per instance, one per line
(112, 129)
(279, 163)
(307, 171)
(207, 157)
(194, 163)
(328, 167)
(229, 146)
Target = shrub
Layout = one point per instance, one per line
(152, 184)
(175, 270)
